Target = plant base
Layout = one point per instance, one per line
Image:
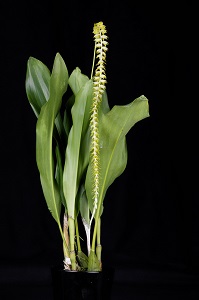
(82, 285)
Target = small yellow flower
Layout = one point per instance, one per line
(99, 27)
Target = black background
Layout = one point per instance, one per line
(150, 220)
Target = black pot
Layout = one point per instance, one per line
(82, 285)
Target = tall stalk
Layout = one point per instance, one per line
(99, 82)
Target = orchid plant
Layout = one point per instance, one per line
(80, 147)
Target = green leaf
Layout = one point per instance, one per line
(59, 175)
(83, 205)
(44, 136)
(104, 109)
(113, 128)
(77, 80)
(37, 84)
(37, 89)
(72, 162)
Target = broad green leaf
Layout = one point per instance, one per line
(113, 128)
(37, 89)
(77, 80)
(104, 105)
(83, 204)
(59, 174)
(84, 154)
(44, 136)
(72, 163)
(37, 84)
(67, 120)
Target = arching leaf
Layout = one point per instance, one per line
(44, 136)
(79, 111)
(114, 126)
(37, 84)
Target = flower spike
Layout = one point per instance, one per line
(99, 86)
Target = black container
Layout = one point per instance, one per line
(82, 285)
